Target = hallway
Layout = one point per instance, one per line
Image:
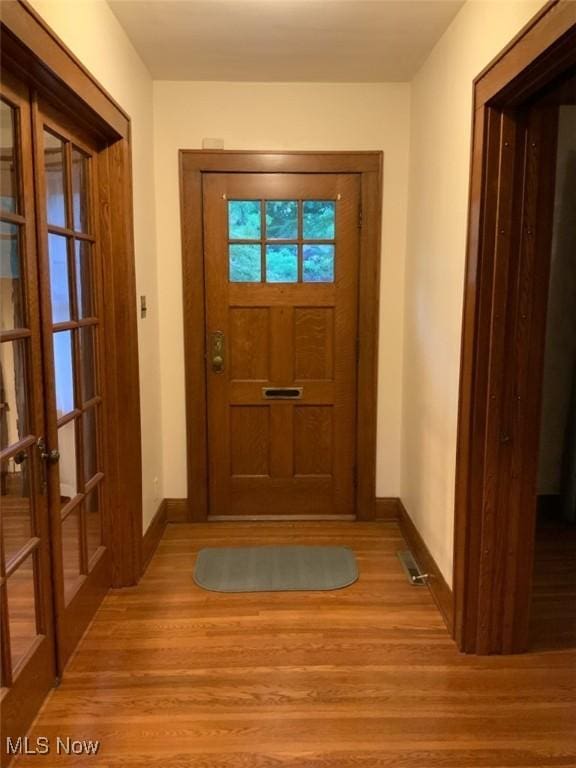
(170, 675)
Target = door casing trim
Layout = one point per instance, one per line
(539, 54)
(193, 164)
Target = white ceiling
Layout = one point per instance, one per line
(284, 40)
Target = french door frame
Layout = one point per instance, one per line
(32, 52)
(497, 445)
(34, 55)
(195, 163)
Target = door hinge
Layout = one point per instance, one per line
(357, 348)
(360, 217)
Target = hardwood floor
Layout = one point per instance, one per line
(553, 611)
(170, 676)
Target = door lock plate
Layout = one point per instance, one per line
(217, 352)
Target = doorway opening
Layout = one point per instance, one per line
(518, 108)
(553, 608)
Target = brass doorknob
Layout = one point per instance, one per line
(217, 352)
(50, 457)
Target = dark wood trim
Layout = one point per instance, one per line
(194, 340)
(490, 581)
(42, 59)
(154, 534)
(541, 51)
(178, 511)
(121, 370)
(266, 161)
(387, 508)
(368, 334)
(193, 163)
(436, 582)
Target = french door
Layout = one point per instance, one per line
(55, 566)
(26, 595)
(71, 305)
(281, 267)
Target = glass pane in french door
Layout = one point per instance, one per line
(24, 539)
(71, 264)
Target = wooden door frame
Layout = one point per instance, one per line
(33, 53)
(193, 164)
(493, 549)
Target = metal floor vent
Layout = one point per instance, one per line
(412, 570)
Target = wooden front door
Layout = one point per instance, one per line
(281, 271)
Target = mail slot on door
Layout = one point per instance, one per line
(282, 393)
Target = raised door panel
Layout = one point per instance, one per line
(249, 343)
(314, 343)
(313, 440)
(249, 440)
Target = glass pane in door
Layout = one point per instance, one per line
(59, 280)
(22, 610)
(281, 219)
(319, 219)
(80, 190)
(71, 553)
(55, 170)
(90, 442)
(14, 397)
(67, 439)
(84, 284)
(11, 278)
(63, 373)
(88, 363)
(17, 524)
(93, 522)
(8, 168)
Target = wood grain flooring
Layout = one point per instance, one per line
(553, 610)
(170, 676)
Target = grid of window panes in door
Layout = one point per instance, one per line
(18, 475)
(281, 241)
(75, 334)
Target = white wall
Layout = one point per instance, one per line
(280, 116)
(441, 110)
(92, 32)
